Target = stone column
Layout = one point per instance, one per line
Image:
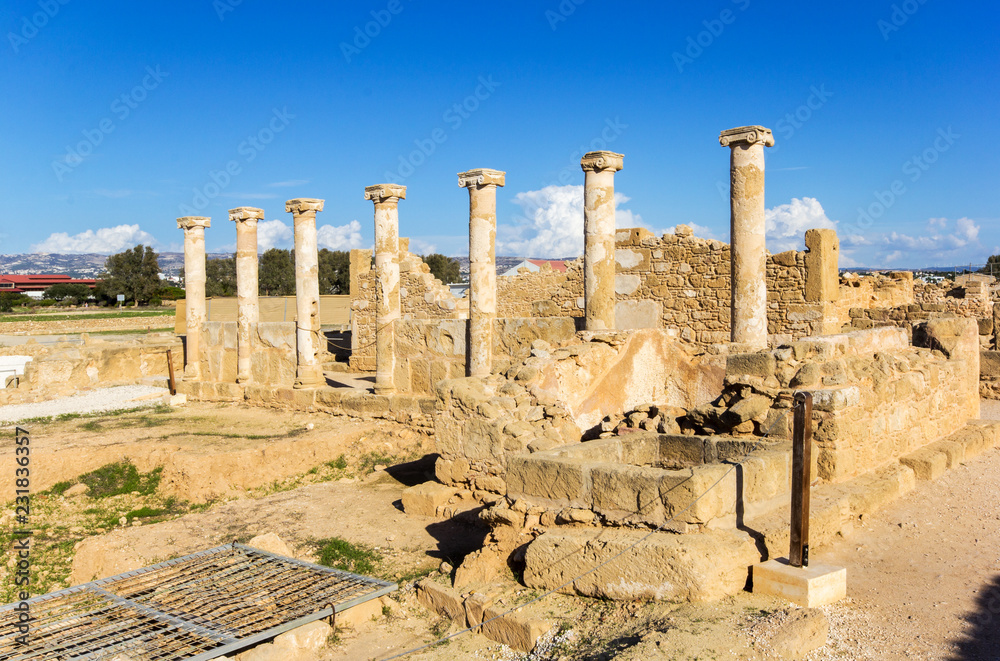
(309, 373)
(194, 287)
(599, 238)
(482, 185)
(248, 313)
(748, 276)
(387, 304)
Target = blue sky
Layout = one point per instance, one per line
(121, 116)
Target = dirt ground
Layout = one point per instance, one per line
(924, 574)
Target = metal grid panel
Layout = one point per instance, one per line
(196, 608)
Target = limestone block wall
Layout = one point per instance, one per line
(542, 293)
(422, 296)
(429, 351)
(272, 359)
(559, 394)
(688, 279)
(876, 397)
(888, 290)
(68, 368)
(973, 299)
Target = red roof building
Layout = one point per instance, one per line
(535, 265)
(22, 284)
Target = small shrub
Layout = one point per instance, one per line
(121, 477)
(341, 554)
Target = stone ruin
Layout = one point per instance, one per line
(578, 411)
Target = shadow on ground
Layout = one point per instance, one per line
(982, 642)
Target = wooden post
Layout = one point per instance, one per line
(170, 371)
(798, 554)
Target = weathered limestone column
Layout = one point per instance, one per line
(749, 253)
(387, 304)
(194, 287)
(248, 312)
(482, 185)
(309, 373)
(599, 238)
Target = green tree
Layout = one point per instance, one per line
(134, 273)
(220, 277)
(992, 266)
(444, 268)
(277, 273)
(63, 291)
(334, 272)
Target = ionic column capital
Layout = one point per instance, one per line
(602, 160)
(481, 177)
(303, 205)
(193, 222)
(248, 215)
(746, 136)
(380, 193)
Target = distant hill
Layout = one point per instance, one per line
(171, 263)
(83, 266)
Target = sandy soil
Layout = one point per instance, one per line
(924, 573)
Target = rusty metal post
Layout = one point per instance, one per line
(798, 554)
(170, 371)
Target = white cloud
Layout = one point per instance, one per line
(421, 247)
(104, 241)
(786, 224)
(552, 223)
(942, 244)
(273, 234)
(278, 234)
(341, 237)
(289, 184)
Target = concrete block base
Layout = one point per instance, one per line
(813, 586)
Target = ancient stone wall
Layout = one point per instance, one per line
(888, 290)
(66, 368)
(429, 351)
(422, 296)
(686, 280)
(876, 397)
(561, 394)
(542, 293)
(272, 358)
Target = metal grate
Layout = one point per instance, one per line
(197, 608)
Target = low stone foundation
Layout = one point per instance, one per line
(403, 408)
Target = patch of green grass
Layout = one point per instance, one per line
(341, 554)
(119, 478)
(415, 575)
(368, 461)
(340, 463)
(59, 488)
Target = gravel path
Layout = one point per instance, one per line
(96, 401)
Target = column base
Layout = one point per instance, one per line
(309, 376)
(192, 372)
(812, 586)
(385, 390)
